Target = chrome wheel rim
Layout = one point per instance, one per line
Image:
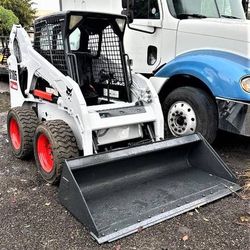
(182, 119)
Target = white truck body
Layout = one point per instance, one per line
(173, 36)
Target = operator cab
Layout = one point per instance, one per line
(89, 48)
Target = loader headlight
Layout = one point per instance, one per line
(121, 22)
(74, 20)
(147, 96)
(142, 95)
(245, 84)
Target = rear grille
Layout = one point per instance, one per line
(49, 42)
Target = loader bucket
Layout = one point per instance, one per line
(117, 193)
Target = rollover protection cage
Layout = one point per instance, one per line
(89, 48)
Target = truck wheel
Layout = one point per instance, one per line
(53, 143)
(21, 126)
(188, 110)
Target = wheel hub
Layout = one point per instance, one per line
(15, 134)
(182, 119)
(45, 154)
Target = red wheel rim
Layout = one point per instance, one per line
(45, 154)
(15, 134)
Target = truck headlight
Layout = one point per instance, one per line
(245, 84)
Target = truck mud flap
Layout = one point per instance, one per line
(121, 192)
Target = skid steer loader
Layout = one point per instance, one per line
(99, 129)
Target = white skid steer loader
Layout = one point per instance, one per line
(98, 129)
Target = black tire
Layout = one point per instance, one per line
(203, 106)
(62, 145)
(25, 120)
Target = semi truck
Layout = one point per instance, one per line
(195, 53)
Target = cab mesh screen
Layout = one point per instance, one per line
(109, 62)
(49, 42)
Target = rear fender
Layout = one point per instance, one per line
(220, 71)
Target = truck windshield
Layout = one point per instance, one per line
(184, 9)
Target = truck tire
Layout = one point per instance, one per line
(188, 110)
(54, 142)
(21, 126)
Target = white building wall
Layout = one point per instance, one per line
(73, 4)
(97, 5)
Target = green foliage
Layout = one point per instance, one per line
(22, 9)
(7, 19)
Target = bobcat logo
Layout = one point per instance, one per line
(69, 91)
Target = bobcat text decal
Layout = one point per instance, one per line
(13, 79)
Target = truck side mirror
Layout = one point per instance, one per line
(128, 9)
(124, 4)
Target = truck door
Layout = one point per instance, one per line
(144, 43)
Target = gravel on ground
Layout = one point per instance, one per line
(32, 218)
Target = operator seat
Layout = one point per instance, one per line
(84, 62)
